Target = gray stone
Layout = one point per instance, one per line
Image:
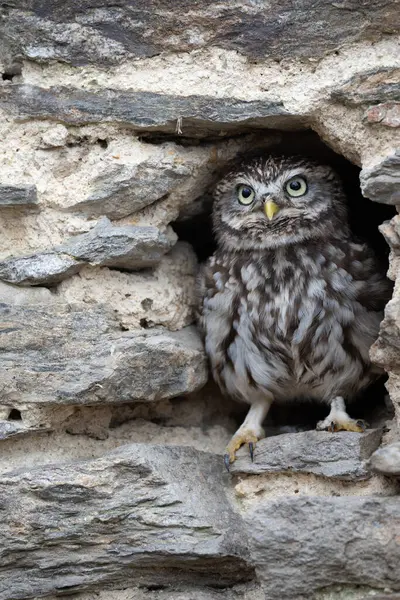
(45, 268)
(370, 87)
(142, 111)
(142, 514)
(386, 460)
(85, 32)
(338, 455)
(14, 429)
(382, 182)
(126, 247)
(72, 355)
(302, 544)
(17, 195)
(127, 190)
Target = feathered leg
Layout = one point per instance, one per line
(250, 431)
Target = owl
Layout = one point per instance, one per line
(290, 302)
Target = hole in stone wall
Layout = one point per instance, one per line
(365, 216)
(15, 415)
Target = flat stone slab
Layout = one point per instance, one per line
(370, 87)
(17, 195)
(62, 354)
(113, 32)
(142, 111)
(141, 514)
(126, 247)
(386, 460)
(303, 544)
(340, 455)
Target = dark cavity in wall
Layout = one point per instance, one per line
(364, 215)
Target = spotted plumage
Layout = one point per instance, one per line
(290, 302)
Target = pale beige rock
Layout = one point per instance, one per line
(163, 296)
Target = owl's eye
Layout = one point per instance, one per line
(245, 194)
(297, 186)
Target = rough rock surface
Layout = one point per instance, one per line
(72, 355)
(142, 512)
(295, 555)
(336, 455)
(126, 247)
(386, 460)
(143, 111)
(23, 195)
(381, 182)
(107, 34)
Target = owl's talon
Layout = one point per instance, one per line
(227, 462)
(362, 425)
(331, 427)
(251, 450)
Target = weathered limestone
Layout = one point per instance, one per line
(126, 247)
(335, 455)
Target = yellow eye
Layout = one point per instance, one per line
(297, 186)
(245, 194)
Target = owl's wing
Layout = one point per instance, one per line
(373, 288)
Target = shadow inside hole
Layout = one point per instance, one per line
(364, 217)
(15, 415)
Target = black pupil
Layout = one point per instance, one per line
(295, 185)
(246, 192)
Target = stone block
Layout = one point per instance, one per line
(370, 87)
(13, 196)
(381, 182)
(338, 455)
(386, 460)
(125, 247)
(83, 33)
(387, 114)
(141, 111)
(143, 513)
(65, 354)
(304, 544)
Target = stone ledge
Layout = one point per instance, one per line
(63, 354)
(142, 514)
(142, 111)
(338, 455)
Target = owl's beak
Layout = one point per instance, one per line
(270, 209)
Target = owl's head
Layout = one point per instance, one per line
(273, 201)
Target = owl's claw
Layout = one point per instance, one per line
(348, 424)
(227, 462)
(251, 450)
(239, 439)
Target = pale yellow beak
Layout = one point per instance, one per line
(270, 209)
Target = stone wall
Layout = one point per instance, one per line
(116, 119)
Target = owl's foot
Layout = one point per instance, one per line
(339, 420)
(241, 437)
